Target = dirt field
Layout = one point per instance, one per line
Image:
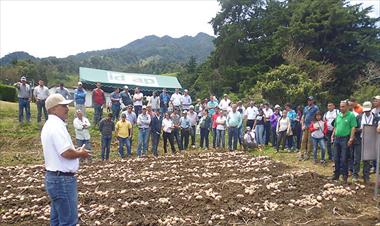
(208, 188)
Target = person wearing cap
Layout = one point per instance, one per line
(176, 99)
(61, 160)
(343, 137)
(126, 98)
(268, 112)
(80, 98)
(41, 93)
(24, 94)
(82, 135)
(224, 103)
(164, 101)
(250, 113)
(138, 100)
(143, 122)
(61, 89)
(154, 101)
(186, 100)
(329, 117)
(106, 127)
(123, 131)
(367, 119)
(221, 129)
(308, 115)
(193, 117)
(184, 123)
(233, 122)
(98, 102)
(115, 107)
(155, 131)
(214, 125)
(176, 131)
(249, 140)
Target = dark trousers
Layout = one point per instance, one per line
(233, 134)
(185, 133)
(281, 137)
(138, 109)
(98, 113)
(204, 137)
(250, 123)
(106, 144)
(155, 140)
(176, 136)
(267, 132)
(274, 137)
(41, 107)
(298, 134)
(329, 145)
(23, 103)
(213, 137)
(192, 134)
(168, 136)
(341, 156)
(354, 159)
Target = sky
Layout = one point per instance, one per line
(63, 28)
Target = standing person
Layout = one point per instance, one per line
(273, 121)
(80, 98)
(258, 126)
(366, 119)
(283, 129)
(185, 129)
(318, 129)
(82, 135)
(241, 110)
(186, 100)
(268, 112)
(343, 137)
(329, 117)
(199, 108)
(123, 131)
(115, 107)
(61, 163)
(233, 122)
(175, 99)
(355, 106)
(156, 125)
(211, 104)
(167, 128)
(224, 103)
(164, 101)
(143, 122)
(132, 118)
(193, 117)
(355, 149)
(138, 101)
(376, 120)
(24, 94)
(308, 115)
(214, 125)
(176, 131)
(41, 93)
(106, 127)
(292, 115)
(151, 114)
(63, 91)
(126, 98)
(251, 113)
(221, 123)
(155, 101)
(298, 127)
(205, 127)
(98, 102)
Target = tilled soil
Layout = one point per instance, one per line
(207, 188)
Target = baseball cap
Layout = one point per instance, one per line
(56, 99)
(143, 107)
(184, 112)
(80, 83)
(225, 95)
(367, 106)
(310, 98)
(248, 128)
(277, 106)
(191, 107)
(376, 97)
(125, 87)
(186, 91)
(23, 78)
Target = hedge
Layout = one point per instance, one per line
(8, 93)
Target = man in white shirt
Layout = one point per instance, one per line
(176, 99)
(268, 112)
(329, 117)
(251, 113)
(138, 101)
(61, 163)
(40, 93)
(81, 125)
(186, 100)
(224, 103)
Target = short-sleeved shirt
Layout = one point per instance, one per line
(344, 124)
(56, 140)
(41, 93)
(123, 128)
(176, 99)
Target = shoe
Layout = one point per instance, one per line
(315, 161)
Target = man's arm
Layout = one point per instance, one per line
(73, 154)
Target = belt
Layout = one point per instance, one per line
(144, 128)
(59, 173)
(25, 98)
(336, 137)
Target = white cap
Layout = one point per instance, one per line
(125, 87)
(23, 78)
(184, 112)
(367, 106)
(191, 107)
(186, 91)
(143, 107)
(56, 99)
(80, 83)
(277, 106)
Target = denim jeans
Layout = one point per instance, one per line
(98, 113)
(213, 137)
(63, 194)
(115, 111)
(355, 158)
(329, 145)
(233, 134)
(124, 141)
(142, 147)
(267, 132)
(321, 143)
(240, 135)
(163, 110)
(87, 145)
(192, 134)
(23, 103)
(176, 136)
(260, 134)
(166, 137)
(106, 144)
(204, 137)
(220, 138)
(155, 140)
(185, 133)
(41, 107)
(341, 156)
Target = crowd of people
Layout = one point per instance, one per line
(178, 121)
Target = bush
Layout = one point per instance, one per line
(8, 93)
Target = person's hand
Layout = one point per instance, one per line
(332, 139)
(83, 153)
(350, 141)
(303, 127)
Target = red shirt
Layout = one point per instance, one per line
(98, 96)
(214, 117)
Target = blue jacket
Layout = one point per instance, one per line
(156, 124)
(80, 96)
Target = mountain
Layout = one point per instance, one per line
(9, 58)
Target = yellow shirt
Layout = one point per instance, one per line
(123, 128)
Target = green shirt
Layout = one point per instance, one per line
(344, 124)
